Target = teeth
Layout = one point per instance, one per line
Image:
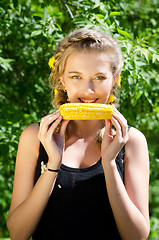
(87, 101)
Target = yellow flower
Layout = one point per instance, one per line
(111, 98)
(55, 91)
(119, 81)
(51, 62)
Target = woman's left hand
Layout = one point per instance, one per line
(112, 144)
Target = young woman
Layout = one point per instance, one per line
(98, 186)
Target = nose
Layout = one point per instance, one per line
(88, 87)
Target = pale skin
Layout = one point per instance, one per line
(87, 77)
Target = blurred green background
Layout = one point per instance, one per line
(29, 33)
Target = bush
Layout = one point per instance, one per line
(30, 31)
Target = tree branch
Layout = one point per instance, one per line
(68, 10)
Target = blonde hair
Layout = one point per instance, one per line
(83, 40)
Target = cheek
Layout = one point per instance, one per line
(72, 92)
(105, 87)
(104, 94)
(103, 91)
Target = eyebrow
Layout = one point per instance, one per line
(103, 73)
(75, 72)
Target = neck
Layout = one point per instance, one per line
(84, 128)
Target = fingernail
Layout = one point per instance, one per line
(57, 112)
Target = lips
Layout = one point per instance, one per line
(85, 100)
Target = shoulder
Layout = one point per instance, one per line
(27, 154)
(30, 130)
(136, 135)
(136, 145)
(29, 137)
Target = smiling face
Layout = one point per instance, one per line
(87, 77)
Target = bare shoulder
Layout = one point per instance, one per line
(31, 131)
(135, 134)
(32, 126)
(136, 145)
(28, 150)
(29, 137)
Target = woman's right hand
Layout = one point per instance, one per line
(53, 144)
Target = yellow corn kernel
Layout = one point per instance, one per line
(86, 111)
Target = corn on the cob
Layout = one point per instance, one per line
(86, 111)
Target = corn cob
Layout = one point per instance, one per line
(86, 111)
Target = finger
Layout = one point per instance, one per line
(107, 133)
(63, 127)
(54, 125)
(47, 120)
(121, 132)
(117, 126)
(49, 115)
(108, 126)
(117, 114)
(123, 122)
(57, 111)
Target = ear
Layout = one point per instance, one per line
(117, 79)
(62, 81)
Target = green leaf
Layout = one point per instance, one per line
(36, 33)
(5, 63)
(139, 91)
(124, 33)
(148, 98)
(152, 49)
(140, 63)
(145, 52)
(155, 57)
(101, 16)
(46, 13)
(112, 14)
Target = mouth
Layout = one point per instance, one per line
(85, 100)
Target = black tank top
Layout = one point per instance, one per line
(78, 208)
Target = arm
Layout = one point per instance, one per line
(130, 202)
(29, 201)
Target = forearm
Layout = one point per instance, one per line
(130, 221)
(24, 219)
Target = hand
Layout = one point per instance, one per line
(53, 143)
(112, 144)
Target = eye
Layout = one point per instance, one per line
(75, 77)
(100, 77)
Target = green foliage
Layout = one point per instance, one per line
(29, 33)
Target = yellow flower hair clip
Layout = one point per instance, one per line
(111, 98)
(55, 91)
(119, 81)
(51, 62)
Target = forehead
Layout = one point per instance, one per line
(88, 60)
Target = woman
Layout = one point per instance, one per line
(96, 181)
